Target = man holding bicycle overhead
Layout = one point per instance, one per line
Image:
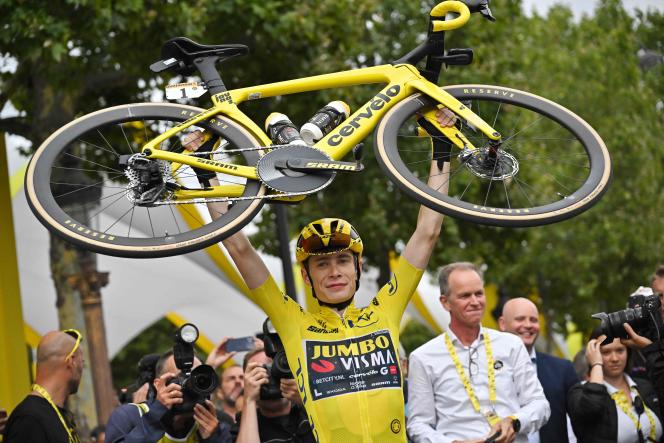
(344, 358)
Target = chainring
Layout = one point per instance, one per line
(288, 180)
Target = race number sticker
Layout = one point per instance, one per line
(352, 365)
(185, 90)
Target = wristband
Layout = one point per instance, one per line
(516, 423)
(596, 364)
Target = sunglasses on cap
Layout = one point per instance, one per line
(328, 243)
(74, 334)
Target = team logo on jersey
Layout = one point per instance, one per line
(322, 366)
(395, 426)
(362, 363)
(392, 285)
(367, 318)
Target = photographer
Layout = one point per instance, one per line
(653, 353)
(156, 421)
(657, 285)
(280, 419)
(181, 409)
(611, 406)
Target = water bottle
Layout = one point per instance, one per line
(325, 120)
(282, 131)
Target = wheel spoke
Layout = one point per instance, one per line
(543, 156)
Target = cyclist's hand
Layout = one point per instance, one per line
(445, 117)
(254, 377)
(168, 395)
(288, 387)
(219, 355)
(193, 140)
(206, 417)
(634, 340)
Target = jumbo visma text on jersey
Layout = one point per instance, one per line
(356, 364)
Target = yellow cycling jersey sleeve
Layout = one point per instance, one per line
(347, 366)
(396, 294)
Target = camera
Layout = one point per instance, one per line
(279, 368)
(146, 374)
(642, 314)
(198, 383)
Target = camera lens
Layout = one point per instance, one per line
(203, 380)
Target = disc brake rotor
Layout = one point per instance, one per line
(288, 180)
(502, 167)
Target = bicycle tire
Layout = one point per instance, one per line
(586, 164)
(63, 196)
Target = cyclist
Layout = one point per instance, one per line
(344, 358)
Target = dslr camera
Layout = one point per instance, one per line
(146, 374)
(197, 384)
(279, 368)
(642, 314)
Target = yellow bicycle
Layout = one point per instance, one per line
(117, 181)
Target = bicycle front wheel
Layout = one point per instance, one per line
(78, 188)
(551, 165)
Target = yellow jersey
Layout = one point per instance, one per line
(347, 367)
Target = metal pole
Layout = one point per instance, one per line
(284, 250)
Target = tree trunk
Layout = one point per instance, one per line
(65, 262)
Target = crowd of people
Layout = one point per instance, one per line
(344, 380)
(469, 384)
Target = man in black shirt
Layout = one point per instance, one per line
(279, 420)
(41, 417)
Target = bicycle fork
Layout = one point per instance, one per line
(486, 160)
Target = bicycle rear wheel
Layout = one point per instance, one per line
(551, 166)
(77, 189)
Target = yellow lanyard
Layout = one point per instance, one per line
(621, 400)
(491, 415)
(71, 437)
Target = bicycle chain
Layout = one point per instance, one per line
(260, 148)
(232, 199)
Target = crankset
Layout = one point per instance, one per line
(300, 169)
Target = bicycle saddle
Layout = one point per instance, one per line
(185, 51)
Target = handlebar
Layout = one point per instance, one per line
(441, 9)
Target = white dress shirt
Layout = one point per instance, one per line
(533, 437)
(439, 409)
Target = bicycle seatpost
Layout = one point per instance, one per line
(209, 74)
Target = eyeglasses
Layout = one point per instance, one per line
(74, 334)
(334, 242)
(473, 366)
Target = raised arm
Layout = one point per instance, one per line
(246, 258)
(429, 222)
(250, 264)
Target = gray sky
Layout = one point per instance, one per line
(582, 6)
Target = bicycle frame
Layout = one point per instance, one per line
(401, 81)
